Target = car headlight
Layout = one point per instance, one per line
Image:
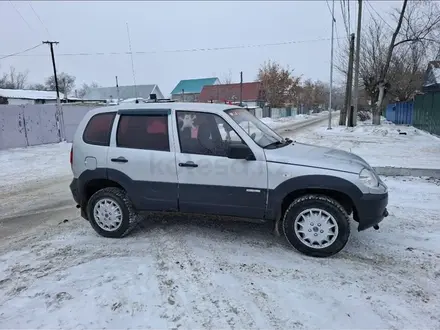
(368, 178)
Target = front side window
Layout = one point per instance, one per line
(99, 128)
(255, 128)
(205, 133)
(143, 132)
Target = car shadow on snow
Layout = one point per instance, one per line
(229, 228)
(360, 245)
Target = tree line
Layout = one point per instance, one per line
(66, 83)
(393, 61)
(282, 87)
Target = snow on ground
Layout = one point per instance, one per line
(184, 272)
(36, 163)
(379, 145)
(278, 123)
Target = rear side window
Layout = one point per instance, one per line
(99, 128)
(143, 132)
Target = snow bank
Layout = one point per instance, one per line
(286, 121)
(384, 145)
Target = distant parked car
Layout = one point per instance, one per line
(218, 159)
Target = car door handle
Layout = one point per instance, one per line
(188, 164)
(119, 160)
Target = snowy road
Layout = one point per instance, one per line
(185, 272)
(32, 204)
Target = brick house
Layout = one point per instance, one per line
(253, 94)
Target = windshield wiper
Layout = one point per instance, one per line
(278, 143)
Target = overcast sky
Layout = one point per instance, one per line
(92, 27)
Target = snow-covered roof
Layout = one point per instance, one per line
(125, 92)
(432, 76)
(29, 94)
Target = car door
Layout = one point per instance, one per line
(141, 158)
(209, 181)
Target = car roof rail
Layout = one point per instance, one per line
(160, 100)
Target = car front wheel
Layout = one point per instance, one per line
(316, 225)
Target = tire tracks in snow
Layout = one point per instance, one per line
(173, 257)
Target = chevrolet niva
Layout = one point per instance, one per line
(217, 159)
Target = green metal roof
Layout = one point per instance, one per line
(193, 85)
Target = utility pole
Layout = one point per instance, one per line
(331, 70)
(348, 88)
(241, 88)
(60, 119)
(117, 89)
(51, 43)
(65, 89)
(356, 72)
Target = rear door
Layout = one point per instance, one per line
(141, 158)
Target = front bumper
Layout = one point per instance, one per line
(370, 210)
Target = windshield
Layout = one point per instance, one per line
(255, 128)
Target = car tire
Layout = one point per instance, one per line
(316, 225)
(122, 216)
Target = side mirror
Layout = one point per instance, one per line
(240, 151)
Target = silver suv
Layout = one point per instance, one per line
(219, 160)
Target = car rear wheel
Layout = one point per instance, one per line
(111, 213)
(316, 225)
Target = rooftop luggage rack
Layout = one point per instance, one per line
(154, 99)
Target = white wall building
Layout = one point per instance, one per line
(110, 94)
(22, 96)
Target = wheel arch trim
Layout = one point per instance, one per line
(312, 183)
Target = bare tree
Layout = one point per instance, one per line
(419, 24)
(392, 64)
(227, 78)
(373, 49)
(13, 79)
(279, 85)
(85, 88)
(66, 83)
(314, 94)
(406, 72)
(37, 87)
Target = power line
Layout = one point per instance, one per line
(371, 6)
(349, 17)
(18, 53)
(344, 17)
(30, 4)
(18, 12)
(188, 50)
(330, 10)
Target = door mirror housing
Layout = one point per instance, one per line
(240, 151)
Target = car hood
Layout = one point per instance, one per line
(322, 157)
